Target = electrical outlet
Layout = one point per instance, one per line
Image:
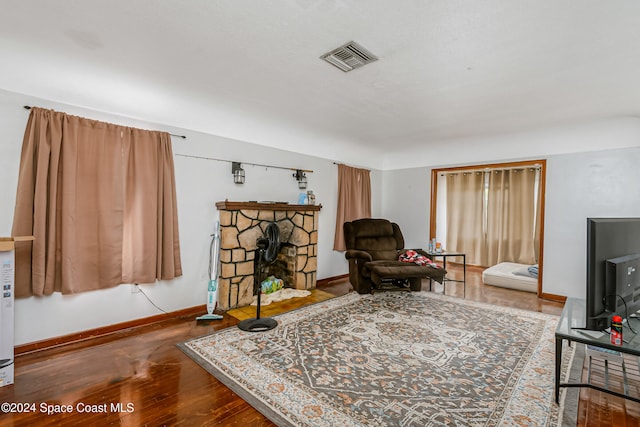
(135, 288)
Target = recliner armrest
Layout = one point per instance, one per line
(353, 253)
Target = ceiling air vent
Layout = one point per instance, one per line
(349, 57)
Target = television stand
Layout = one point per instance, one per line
(614, 360)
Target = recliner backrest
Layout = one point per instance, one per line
(379, 237)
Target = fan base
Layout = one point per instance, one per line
(257, 325)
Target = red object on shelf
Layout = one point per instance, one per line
(616, 330)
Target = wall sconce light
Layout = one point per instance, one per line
(238, 172)
(302, 179)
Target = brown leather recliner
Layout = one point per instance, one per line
(373, 248)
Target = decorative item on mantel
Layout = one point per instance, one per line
(307, 198)
(241, 223)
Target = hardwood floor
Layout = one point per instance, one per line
(156, 384)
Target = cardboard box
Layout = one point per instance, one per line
(7, 278)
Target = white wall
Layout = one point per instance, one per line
(582, 181)
(407, 201)
(200, 183)
(582, 185)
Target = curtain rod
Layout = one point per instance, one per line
(356, 167)
(28, 107)
(496, 169)
(245, 163)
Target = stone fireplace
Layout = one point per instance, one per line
(241, 224)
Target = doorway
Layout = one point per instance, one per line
(492, 200)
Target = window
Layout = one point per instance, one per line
(100, 201)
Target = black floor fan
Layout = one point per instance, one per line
(268, 247)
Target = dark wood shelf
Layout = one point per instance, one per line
(235, 206)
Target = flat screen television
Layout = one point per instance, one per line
(613, 270)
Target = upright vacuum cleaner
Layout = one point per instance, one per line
(212, 287)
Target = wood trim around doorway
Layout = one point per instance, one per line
(542, 163)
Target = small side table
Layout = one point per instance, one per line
(444, 255)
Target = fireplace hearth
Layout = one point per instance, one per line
(241, 224)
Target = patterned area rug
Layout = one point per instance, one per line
(392, 359)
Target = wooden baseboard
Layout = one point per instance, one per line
(553, 297)
(328, 280)
(105, 330)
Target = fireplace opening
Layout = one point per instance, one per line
(283, 267)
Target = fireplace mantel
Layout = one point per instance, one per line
(236, 206)
(242, 223)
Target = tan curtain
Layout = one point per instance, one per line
(354, 200)
(511, 213)
(465, 215)
(100, 200)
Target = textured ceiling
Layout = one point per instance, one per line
(250, 69)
